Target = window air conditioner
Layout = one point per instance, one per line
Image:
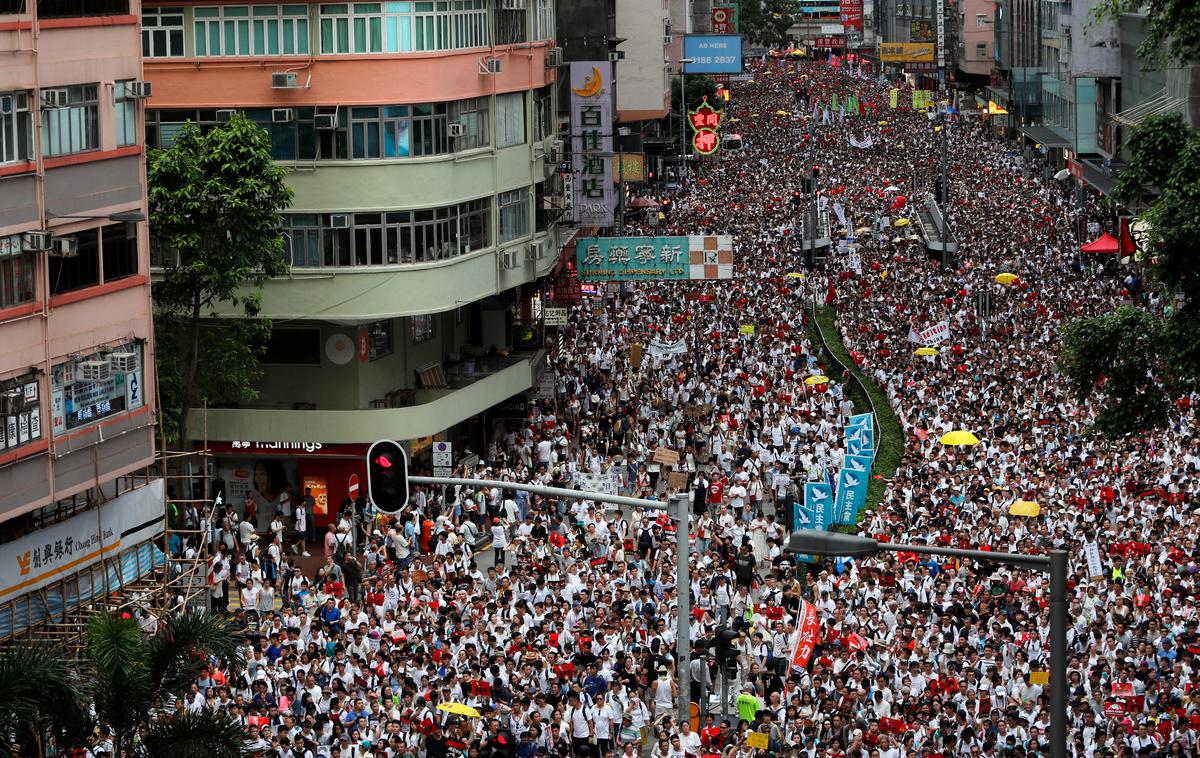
(557, 152)
(124, 362)
(12, 403)
(285, 79)
(37, 241)
(282, 115)
(456, 129)
(666, 40)
(537, 250)
(93, 371)
(616, 55)
(554, 57)
(510, 259)
(64, 247)
(491, 66)
(6, 104)
(140, 90)
(54, 98)
(225, 116)
(339, 221)
(325, 122)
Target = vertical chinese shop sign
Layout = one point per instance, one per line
(591, 138)
(705, 120)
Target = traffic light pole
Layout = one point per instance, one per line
(679, 506)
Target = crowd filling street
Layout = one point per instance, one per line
(561, 639)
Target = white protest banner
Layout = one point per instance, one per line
(660, 349)
(939, 332)
(608, 482)
(45, 556)
(1091, 551)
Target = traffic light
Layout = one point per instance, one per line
(726, 647)
(816, 172)
(387, 476)
(797, 197)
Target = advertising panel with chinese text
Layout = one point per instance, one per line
(591, 143)
(626, 259)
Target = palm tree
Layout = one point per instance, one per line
(42, 700)
(48, 697)
(130, 673)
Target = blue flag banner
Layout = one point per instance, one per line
(863, 436)
(852, 489)
(819, 499)
(862, 419)
(860, 464)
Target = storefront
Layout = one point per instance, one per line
(260, 470)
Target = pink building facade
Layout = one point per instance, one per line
(977, 37)
(76, 365)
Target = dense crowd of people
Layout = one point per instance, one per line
(563, 638)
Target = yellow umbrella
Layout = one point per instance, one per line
(753, 115)
(959, 438)
(927, 351)
(1007, 278)
(883, 123)
(782, 113)
(1024, 508)
(459, 709)
(795, 275)
(813, 380)
(901, 222)
(861, 230)
(734, 120)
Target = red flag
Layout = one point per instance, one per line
(805, 638)
(857, 642)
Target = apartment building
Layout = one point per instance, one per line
(420, 138)
(76, 367)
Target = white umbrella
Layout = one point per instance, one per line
(1063, 174)
(892, 188)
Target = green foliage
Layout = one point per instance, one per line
(695, 89)
(207, 734)
(890, 444)
(766, 22)
(45, 694)
(215, 200)
(1172, 28)
(42, 700)
(1121, 354)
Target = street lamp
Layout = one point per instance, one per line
(683, 122)
(814, 542)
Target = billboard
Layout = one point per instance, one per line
(851, 12)
(712, 54)
(593, 196)
(906, 52)
(632, 259)
(725, 19)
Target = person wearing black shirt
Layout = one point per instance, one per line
(743, 566)
(436, 744)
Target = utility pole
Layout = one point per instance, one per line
(947, 258)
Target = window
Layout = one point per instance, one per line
(422, 328)
(386, 239)
(162, 32)
(981, 50)
(126, 111)
(119, 251)
(23, 417)
(543, 114)
(76, 402)
(429, 129)
(473, 115)
(75, 128)
(510, 27)
(16, 128)
(294, 347)
(403, 27)
(514, 215)
(222, 30)
(76, 8)
(379, 339)
(510, 119)
(981, 20)
(544, 20)
(380, 132)
(16, 272)
(279, 30)
(81, 270)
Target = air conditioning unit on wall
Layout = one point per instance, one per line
(510, 259)
(93, 371)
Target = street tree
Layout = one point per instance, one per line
(215, 199)
(1172, 29)
(1143, 361)
(767, 21)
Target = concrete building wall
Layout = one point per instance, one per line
(642, 79)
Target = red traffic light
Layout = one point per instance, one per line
(383, 461)
(387, 476)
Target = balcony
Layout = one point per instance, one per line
(433, 411)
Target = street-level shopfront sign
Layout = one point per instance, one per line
(612, 259)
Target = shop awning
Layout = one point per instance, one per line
(1105, 244)
(1045, 136)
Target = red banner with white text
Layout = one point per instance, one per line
(808, 626)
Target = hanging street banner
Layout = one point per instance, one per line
(593, 196)
(725, 19)
(906, 52)
(851, 13)
(632, 259)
